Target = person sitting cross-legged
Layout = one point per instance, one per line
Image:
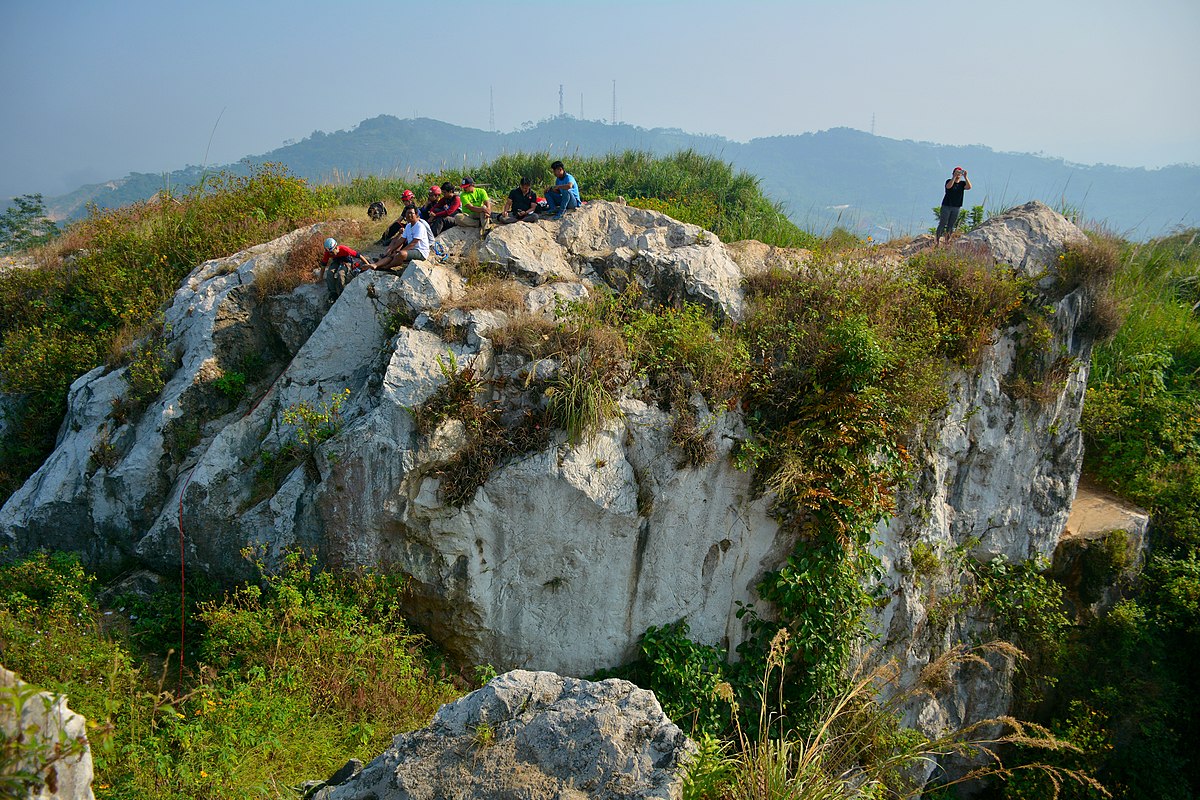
(414, 246)
(476, 207)
(521, 205)
(435, 194)
(564, 194)
(446, 211)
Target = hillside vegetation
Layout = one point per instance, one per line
(287, 677)
(872, 185)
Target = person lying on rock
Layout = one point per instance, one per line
(446, 210)
(476, 207)
(952, 203)
(339, 265)
(435, 194)
(521, 205)
(564, 194)
(408, 198)
(415, 243)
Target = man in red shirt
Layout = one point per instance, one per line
(441, 216)
(346, 264)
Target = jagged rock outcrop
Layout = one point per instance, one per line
(562, 558)
(50, 741)
(995, 479)
(531, 734)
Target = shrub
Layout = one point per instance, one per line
(297, 675)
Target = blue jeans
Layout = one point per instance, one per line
(560, 202)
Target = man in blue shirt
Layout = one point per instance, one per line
(564, 194)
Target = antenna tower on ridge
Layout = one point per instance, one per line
(560, 105)
(872, 123)
(492, 108)
(581, 105)
(613, 119)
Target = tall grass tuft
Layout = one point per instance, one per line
(857, 748)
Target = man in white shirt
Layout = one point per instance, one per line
(413, 244)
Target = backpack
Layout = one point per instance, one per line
(377, 211)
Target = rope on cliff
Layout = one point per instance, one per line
(182, 577)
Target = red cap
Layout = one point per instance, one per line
(407, 195)
(435, 190)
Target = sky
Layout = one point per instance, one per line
(95, 90)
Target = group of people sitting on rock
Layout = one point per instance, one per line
(410, 237)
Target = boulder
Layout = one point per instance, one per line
(1028, 238)
(529, 252)
(1101, 550)
(51, 739)
(535, 735)
(563, 556)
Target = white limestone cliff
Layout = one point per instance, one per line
(564, 557)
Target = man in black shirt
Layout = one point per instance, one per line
(521, 205)
(952, 203)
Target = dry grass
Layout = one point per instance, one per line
(490, 293)
(304, 256)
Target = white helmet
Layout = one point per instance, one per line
(331, 244)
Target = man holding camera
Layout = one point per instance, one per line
(952, 203)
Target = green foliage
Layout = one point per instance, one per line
(295, 676)
(1028, 607)
(856, 746)
(1125, 689)
(316, 423)
(24, 224)
(231, 385)
(690, 187)
(684, 677)
(111, 274)
(968, 220)
(150, 364)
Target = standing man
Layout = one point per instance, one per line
(476, 207)
(952, 204)
(521, 205)
(564, 194)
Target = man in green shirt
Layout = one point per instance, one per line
(476, 208)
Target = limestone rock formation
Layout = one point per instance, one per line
(51, 739)
(996, 477)
(531, 734)
(563, 557)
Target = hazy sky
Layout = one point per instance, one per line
(96, 89)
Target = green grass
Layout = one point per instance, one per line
(284, 681)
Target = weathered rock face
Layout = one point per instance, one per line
(997, 477)
(46, 723)
(532, 734)
(565, 556)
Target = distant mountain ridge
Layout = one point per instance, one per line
(870, 184)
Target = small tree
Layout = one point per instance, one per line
(25, 224)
